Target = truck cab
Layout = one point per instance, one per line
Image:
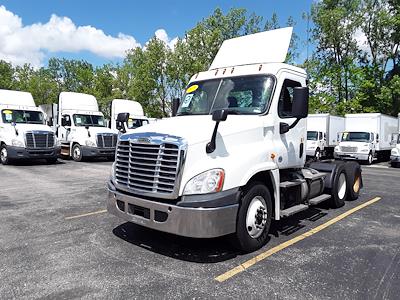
(316, 142)
(24, 133)
(82, 129)
(135, 115)
(357, 145)
(232, 158)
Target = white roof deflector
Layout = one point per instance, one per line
(263, 47)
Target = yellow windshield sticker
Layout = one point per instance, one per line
(7, 112)
(192, 88)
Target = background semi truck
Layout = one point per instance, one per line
(323, 132)
(367, 136)
(395, 153)
(24, 133)
(81, 128)
(232, 159)
(136, 114)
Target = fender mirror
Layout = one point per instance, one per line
(217, 116)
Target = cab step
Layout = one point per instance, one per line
(319, 199)
(65, 149)
(293, 210)
(291, 183)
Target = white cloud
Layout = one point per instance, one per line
(21, 44)
(162, 35)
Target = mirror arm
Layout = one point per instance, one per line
(210, 147)
(294, 123)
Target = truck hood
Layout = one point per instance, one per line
(93, 130)
(199, 129)
(22, 128)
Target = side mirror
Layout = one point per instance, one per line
(64, 122)
(300, 102)
(175, 106)
(219, 115)
(122, 118)
(50, 122)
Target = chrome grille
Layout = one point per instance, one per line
(348, 149)
(149, 168)
(107, 140)
(39, 139)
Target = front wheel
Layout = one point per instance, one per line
(318, 154)
(370, 159)
(4, 155)
(77, 152)
(254, 218)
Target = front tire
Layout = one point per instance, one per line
(4, 155)
(77, 152)
(317, 155)
(254, 218)
(370, 159)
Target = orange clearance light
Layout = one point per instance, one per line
(273, 155)
(223, 73)
(216, 72)
(233, 69)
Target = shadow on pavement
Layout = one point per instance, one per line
(207, 250)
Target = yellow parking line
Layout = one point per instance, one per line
(242, 267)
(87, 214)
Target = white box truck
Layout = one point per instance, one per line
(24, 133)
(232, 158)
(135, 119)
(323, 134)
(81, 128)
(367, 137)
(395, 153)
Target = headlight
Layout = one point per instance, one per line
(210, 181)
(365, 150)
(90, 143)
(395, 152)
(17, 143)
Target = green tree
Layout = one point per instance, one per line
(6, 75)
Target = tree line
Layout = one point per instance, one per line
(353, 67)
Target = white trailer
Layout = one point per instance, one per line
(367, 136)
(82, 129)
(323, 134)
(395, 153)
(136, 117)
(232, 157)
(24, 133)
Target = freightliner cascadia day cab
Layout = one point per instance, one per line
(395, 153)
(82, 129)
(323, 132)
(367, 137)
(126, 115)
(24, 133)
(232, 159)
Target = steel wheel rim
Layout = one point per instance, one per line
(318, 155)
(77, 152)
(342, 186)
(370, 158)
(4, 154)
(256, 217)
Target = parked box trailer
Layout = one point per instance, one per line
(367, 136)
(323, 134)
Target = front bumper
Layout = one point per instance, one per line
(351, 156)
(97, 152)
(394, 158)
(196, 222)
(26, 153)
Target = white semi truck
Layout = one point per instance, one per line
(323, 132)
(367, 137)
(24, 133)
(395, 153)
(232, 159)
(81, 128)
(136, 117)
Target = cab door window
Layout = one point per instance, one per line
(286, 98)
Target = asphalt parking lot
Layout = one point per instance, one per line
(57, 242)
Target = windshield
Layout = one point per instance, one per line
(241, 95)
(22, 116)
(356, 137)
(89, 120)
(135, 123)
(312, 135)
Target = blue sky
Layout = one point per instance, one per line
(138, 20)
